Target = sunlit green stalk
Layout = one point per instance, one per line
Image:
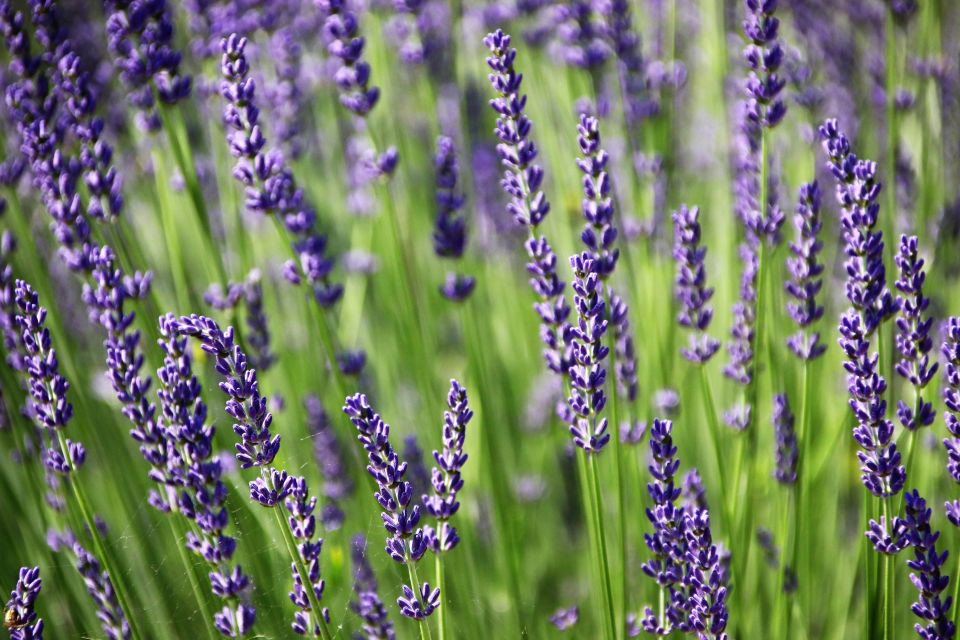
(600, 540)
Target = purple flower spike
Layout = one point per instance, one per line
(340, 30)
(599, 234)
(740, 367)
(450, 228)
(269, 183)
(913, 335)
(140, 34)
(764, 56)
(367, 605)
(522, 179)
(691, 285)
(303, 525)
(19, 615)
(627, 385)
(588, 375)
(931, 607)
(857, 194)
(951, 399)
(786, 439)
(406, 542)
(564, 619)
(806, 274)
(705, 578)
(446, 481)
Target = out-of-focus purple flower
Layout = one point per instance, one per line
(691, 288)
(337, 484)
(694, 493)
(341, 32)
(191, 479)
(931, 607)
(564, 619)
(450, 229)
(112, 620)
(764, 56)
(588, 374)
(140, 36)
(638, 102)
(740, 367)
(806, 274)
(417, 474)
(626, 357)
(522, 179)
(19, 615)
(913, 335)
(599, 234)
(258, 332)
(446, 480)
(579, 35)
(786, 441)
(406, 542)
(269, 183)
(367, 604)
(666, 401)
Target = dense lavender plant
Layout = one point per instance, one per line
(691, 288)
(20, 616)
(269, 183)
(913, 335)
(522, 179)
(932, 609)
(450, 228)
(98, 583)
(192, 476)
(376, 624)
(806, 274)
(406, 542)
(786, 441)
(445, 478)
(140, 36)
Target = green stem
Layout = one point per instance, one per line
(710, 408)
(601, 542)
(803, 477)
(177, 530)
(441, 612)
(887, 610)
(101, 548)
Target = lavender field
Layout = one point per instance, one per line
(457, 319)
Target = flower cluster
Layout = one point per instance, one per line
(638, 102)
(931, 607)
(522, 179)
(691, 288)
(786, 441)
(445, 478)
(269, 183)
(19, 615)
(806, 274)
(112, 620)
(140, 36)
(626, 357)
(367, 605)
(599, 233)
(450, 228)
(337, 485)
(913, 335)
(951, 399)
(406, 542)
(740, 367)
(303, 525)
(192, 475)
(579, 35)
(343, 42)
(764, 56)
(705, 577)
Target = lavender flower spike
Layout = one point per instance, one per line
(705, 578)
(450, 228)
(368, 606)
(691, 285)
(522, 179)
(932, 609)
(406, 542)
(19, 615)
(442, 504)
(951, 399)
(786, 439)
(48, 389)
(806, 274)
(588, 374)
(353, 77)
(764, 56)
(913, 335)
(599, 234)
